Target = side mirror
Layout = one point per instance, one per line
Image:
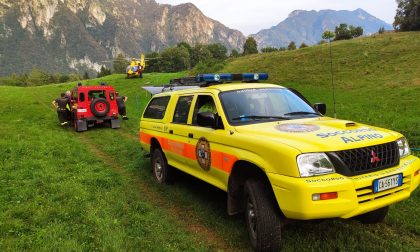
(209, 119)
(321, 108)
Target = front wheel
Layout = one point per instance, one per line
(161, 171)
(262, 217)
(373, 217)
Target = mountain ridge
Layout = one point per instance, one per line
(303, 26)
(75, 35)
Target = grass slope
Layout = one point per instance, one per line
(61, 190)
(377, 79)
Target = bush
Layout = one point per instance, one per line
(212, 66)
(234, 53)
(303, 45)
(269, 49)
(64, 78)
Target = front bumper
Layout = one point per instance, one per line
(355, 194)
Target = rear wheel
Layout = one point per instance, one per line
(373, 217)
(161, 171)
(261, 217)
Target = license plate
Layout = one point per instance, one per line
(386, 183)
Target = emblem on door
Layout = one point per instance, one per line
(203, 154)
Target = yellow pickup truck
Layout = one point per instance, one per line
(276, 155)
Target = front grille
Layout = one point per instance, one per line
(365, 194)
(367, 159)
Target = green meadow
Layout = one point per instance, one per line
(67, 191)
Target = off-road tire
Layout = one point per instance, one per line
(103, 103)
(373, 217)
(162, 173)
(262, 217)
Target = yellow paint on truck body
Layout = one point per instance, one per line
(274, 147)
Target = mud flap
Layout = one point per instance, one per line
(115, 123)
(81, 125)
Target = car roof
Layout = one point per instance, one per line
(220, 88)
(99, 87)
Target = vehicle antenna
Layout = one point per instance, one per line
(332, 77)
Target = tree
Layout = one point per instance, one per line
(250, 46)
(218, 51)
(356, 31)
(303, 45)
(103, 72)
(184, 44)
(234, 53)
(120, 63)
(269, 49)
(328, 35)
(199, 53)
(381, 30)
(175, 59)
(38, 77)
(407, 17)
(291, 46)
(342, 32)
(152, 64)
(86, 75)
(64, 78)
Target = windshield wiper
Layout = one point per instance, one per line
(302, 113)
(260, 117)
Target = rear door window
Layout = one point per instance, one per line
(157, 108)
(93, 94)
(182, 109)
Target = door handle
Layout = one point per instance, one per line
(171, 131)
(190, 135)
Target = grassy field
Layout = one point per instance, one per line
(62, 190)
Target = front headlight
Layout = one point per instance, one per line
(403, 147)
(314, 164)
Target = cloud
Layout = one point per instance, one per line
(250, 16)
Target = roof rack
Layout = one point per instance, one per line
(205, 80)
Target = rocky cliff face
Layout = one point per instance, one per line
(308, 26)
(66, 35)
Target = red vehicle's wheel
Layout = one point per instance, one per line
(99, 107)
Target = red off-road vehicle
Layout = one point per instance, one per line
(93, 105)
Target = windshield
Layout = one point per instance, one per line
(264, 104)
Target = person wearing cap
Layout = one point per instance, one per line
(68, 108)
(140, 71)
(61, 105)
(121, 105)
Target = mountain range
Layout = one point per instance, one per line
(76, 35)
(307, 26)
(66, 35)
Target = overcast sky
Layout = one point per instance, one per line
(250, 16)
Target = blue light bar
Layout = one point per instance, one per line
(215, 78)
(254, 76)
